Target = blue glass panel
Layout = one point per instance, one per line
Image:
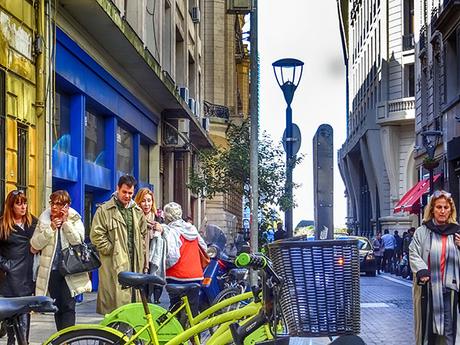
(97, 176)
(65, 166)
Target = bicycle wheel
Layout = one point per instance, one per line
(88, 337)
(227, 293)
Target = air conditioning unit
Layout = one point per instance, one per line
(205, 122)
(196, 15)
(183, 92)
(176, 132)
(239, 6)
(192, 105)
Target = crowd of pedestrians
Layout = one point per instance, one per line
(130, 234)
(391, 251)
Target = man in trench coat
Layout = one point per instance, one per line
(118, 230)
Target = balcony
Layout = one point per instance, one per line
(408, 42)
(396, 111)
(448, 17)
(215, 110)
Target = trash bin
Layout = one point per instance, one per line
(320, 294)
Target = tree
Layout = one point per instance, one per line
(227, 169)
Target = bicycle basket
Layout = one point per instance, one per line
(320, 295)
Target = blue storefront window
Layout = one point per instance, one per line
(144, 155)
(94, 138)
(61, 123)
(124, 151)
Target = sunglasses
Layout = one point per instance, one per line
(17, 192)
(439, 193)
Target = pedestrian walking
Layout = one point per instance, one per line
(183, 261)
(155, 242)
(398, 245)
(59, 227)
(378, 251)
(435, 260)
(406, 243)
(17, 226)
(280, 233)
(389, 243)
(118, 231)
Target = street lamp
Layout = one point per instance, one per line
(430, 142)
(288, 73)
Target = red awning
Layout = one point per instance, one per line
(410, 202)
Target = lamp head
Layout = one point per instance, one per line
(288, 73)
(431, 141)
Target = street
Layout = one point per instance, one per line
(386, 314)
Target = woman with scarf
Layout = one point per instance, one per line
(183, 260)
(435, 261)
(155, 242)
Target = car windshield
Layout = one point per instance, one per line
(364, 245)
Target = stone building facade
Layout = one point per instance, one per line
(226, 96)
(376, 161)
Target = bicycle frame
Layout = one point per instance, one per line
(199, 324)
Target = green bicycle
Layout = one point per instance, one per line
(164, 328)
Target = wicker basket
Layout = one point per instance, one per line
(320, 295)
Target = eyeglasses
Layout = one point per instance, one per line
(58, 204)
(439, 193)
(17, 192)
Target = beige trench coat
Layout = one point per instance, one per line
(45, 240)
(419, 250)
(109, 235)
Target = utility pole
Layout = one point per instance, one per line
(254, 139)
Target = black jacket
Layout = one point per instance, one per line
(16, 261)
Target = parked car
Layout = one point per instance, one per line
(367, 261)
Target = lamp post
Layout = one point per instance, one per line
(430, 142)
(288, 73)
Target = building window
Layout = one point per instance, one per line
(2, 138)
(409, 80)
(144, 155)
(94, 138)
(22, 158)
(61, 122)
(124, 151)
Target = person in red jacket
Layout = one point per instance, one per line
(183, 262)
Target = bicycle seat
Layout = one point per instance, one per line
(14, 306)
(181, 289)
(138, 280)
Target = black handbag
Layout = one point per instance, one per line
(79, 258)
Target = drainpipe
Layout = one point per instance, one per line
(42, 176)
(40, 61)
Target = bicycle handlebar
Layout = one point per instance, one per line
(251, 260)
(259, 262)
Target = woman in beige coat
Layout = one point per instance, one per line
(435, 261)
(58, 227)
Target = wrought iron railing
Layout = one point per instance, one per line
(215, 110)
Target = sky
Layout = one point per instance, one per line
(307, 30)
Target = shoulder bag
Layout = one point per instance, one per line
(79, 258)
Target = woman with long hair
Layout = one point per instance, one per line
(17, 226)
(155, 241)
(435, 261)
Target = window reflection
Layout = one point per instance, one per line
(124, 151)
